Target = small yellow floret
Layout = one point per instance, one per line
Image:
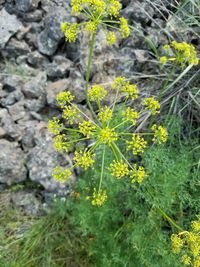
(105, 114)
(160, 134)
(152, 105)
(195, 225)
(118, 82)
(60, 144)
(131, 90)
(98, 197)
(83, 159)
(87, 128)
(107, 135)
(55, 126)
(177, 243)
(114, 8)
(61, 175)
(91, 26)
(130, 115)
(97, 93)
(124, 28)
(119, 169)
(163, 60)
(137, 174)
(71, 32)
(63, 98)
(137, 144)
(70, 113)
(186, 260)
(111, 38)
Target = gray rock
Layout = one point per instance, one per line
(35, 104)
(9, 25)
(12, 163)
(35, 87)
(36, 59)
(55, 71)
(138, 11)
(12, 83)
(15, 48)
(42, 159)
(26, 5)
(27, 202)
(11, 98)
(17, 111)
(50, 37)
(10, 128)
(34, 16)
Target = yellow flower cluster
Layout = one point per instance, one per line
(70, 31)
(188, 244)
(131, 90)
(118, 82)
(182, 53)
(61, 175)
(63, 98)
(107, 136)
(105, 114)
(137, 174)
(152, 105)
(98, 197)
(137, 144)
(70, 114)
(55, 126)
(84, 159)
(119, 169)
(111, 38)
(87, 128)
(160, 134)
(130, 115)
(97, 93)
(97, 12)
(60, 144)
(124, 28)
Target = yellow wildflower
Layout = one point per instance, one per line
(91, 26)
(196, 262)
(118, 82)
(119, 169)
(107, 135)
(163, 60)
(137, 174)
(97, 93)
(84, 159)
(98, 197)
(124, 28)
(61, 175)
(87, 128)
(63, 98)
(131, 90)
(130, 115)
(70, 113)
(111, 38)
(166, 47)
(177, 243)
(186, 259)
(55, 126)
(160, 134)
(137, 144)
(105, 114)
(152, 105)
(114, 8)
(195, 226)
(70, 31)
(76, 6)
(60, 144)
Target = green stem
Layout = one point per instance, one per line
(88, 73)
(102, 167)
(169, 219)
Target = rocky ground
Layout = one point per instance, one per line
(36, 64)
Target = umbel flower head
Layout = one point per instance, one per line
(180, 53)
(187, 245)
(114, 130)
(103, 14)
